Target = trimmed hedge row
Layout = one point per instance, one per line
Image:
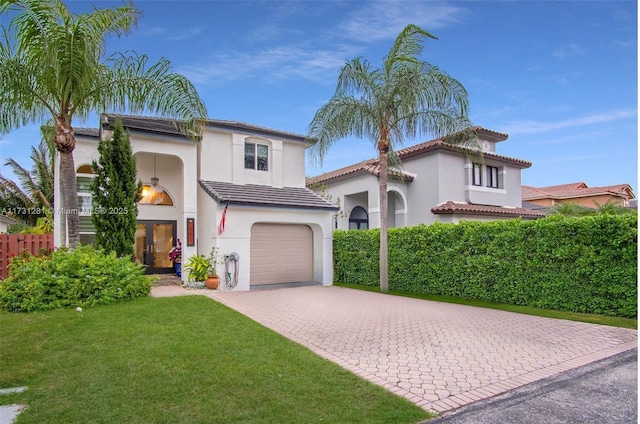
(586, 264)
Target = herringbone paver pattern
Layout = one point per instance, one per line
(438, 355)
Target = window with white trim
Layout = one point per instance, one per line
(256, 156)
(477, 174)
(84, 178)
(492, 177)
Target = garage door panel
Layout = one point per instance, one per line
(281, 253)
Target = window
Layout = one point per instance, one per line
(84, 195)
(358, 219)
(154, 195)
(256, 156)
(477, 174)
(492, 177)
(85, 206)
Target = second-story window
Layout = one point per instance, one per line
(492, 177)
(256, 156)
(477, 174)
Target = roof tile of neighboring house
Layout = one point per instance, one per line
(170, 126)
(371, 166)
(574, 190)
(450, 207)
(259, 195)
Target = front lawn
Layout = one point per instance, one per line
(177, 360)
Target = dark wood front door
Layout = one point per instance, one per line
(154, 239)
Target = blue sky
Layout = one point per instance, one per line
(560, 77)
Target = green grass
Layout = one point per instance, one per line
(177, 360)
(572, 316)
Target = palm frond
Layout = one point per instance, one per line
(129, 84)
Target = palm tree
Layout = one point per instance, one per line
(29, 199)
(52, 65)
(612, 208)
(572, 209)
(404, 98)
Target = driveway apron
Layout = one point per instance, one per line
(440, 356)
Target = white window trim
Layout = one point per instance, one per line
(484, 189)
(255, 156)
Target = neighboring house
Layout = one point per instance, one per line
(578, 193)
(5, 222)
(281, 230)
(438, 182)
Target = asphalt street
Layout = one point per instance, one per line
(604, 392)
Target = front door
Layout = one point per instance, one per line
(154, 239)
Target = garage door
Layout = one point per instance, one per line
(281, 253)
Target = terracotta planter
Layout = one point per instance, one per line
(213, 282)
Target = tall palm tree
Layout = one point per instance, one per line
(52, 64)
(28, 199)
(404, 98)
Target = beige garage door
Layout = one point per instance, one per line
(281, 253)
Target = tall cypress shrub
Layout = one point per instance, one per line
(115, 194)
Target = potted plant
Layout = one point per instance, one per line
(197, 267)
(215, 258)
(175, 255)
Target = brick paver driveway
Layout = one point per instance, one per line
(438, 355)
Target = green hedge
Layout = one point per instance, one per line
(586, 264)
(71, 278)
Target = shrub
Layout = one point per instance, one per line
(586, 264)
(69, 278)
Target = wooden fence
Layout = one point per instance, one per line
(13, 244)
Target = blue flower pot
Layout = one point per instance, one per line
(177, 266)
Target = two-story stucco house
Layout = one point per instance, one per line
(438, 182)
(281, 230)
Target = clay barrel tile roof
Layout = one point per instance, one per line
(372, 165)
(450, 207)
(572, 190)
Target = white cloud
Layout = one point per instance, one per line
(154, 31)
(381, 20)
(186, 33)
(570, 50)
(319, 59)
(174, 34)
(274, 63)
(532, 127)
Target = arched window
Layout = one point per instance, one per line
(85, 169)
(358, 219)
(155, 195)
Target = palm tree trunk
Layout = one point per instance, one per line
(65, 144)
(384, 206)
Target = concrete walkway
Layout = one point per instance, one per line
(440, 356)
